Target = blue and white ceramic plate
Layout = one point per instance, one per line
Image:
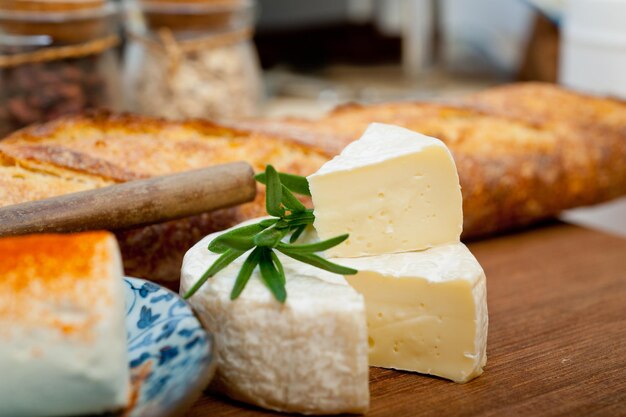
(171, 355)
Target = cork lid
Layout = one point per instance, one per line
(65, 21)
(197, 15)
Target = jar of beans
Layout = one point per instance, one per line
(192, 58)
(56, 58)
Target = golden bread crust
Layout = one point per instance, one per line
(19, 184)
(126, 147)
(98, 149)
(549, 103)
(521, 151)
(513, 170)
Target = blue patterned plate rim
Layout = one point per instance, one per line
(171, 356)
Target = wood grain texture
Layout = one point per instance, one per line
(557, 336)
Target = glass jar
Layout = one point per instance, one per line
(56, 58)
(192, 58)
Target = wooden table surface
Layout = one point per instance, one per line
(557, 336)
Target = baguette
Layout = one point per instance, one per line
(550, 104)
(19, 184)
(520, 160)
(516, 167)
(99, 149)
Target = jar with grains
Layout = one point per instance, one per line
(57, 57)
(192, 58)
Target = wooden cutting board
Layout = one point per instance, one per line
(557, 336)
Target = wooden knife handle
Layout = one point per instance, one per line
(134, 203)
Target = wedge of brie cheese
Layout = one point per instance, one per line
(307, 356)
(62, 330)
(393, 190)
(426, 311)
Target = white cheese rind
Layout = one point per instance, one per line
(393, 190)
(426, 311)
(47, 368)
(307, 356)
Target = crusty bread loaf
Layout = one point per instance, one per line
(19, 184)
(519, 160)
(549, 104)
(86, 152)
(516, 167)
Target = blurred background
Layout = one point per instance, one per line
(225, 59)
(377, 50)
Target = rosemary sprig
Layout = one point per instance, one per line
(290, 217)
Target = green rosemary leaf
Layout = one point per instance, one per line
(243, 243)
(279, 266)
(271, 277)
(281, 224)
(307, 214)
(245, 273)
(219, 264)
(318, 262)
(268, 222)
(298, 219)
(273, 193)
(269, 237)
(216, 245)
(301, 222)
(296, 234)
(314, 247)
(291, 202)
(295, 183)
(267, 234)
